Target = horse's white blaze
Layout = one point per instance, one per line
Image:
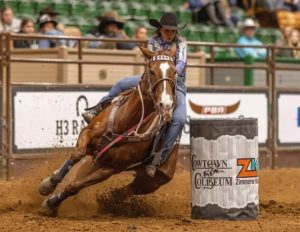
(165, 99)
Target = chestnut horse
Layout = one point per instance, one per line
(147, 106)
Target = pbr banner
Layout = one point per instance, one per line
(214, 104)
(49, 117)
(288, 118)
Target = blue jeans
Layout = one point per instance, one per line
(179, 114)
(121, 86)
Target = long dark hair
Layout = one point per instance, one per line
(25, 21)
(158, 33)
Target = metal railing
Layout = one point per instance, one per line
(270, 67)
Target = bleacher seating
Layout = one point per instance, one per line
(84, 13)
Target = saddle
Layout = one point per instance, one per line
(153, 158)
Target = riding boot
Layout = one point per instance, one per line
(93, 112)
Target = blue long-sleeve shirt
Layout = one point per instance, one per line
(156, 43)
(47, 43)
(254, 52)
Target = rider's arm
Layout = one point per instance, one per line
(151, 43)
(181, 58)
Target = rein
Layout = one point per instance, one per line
(151, 91)
(152, 87)
(132, 135)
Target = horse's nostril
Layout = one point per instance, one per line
(164, 105)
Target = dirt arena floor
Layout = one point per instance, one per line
(166, 210)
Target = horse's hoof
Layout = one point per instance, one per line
(47, 211)
(46, 187)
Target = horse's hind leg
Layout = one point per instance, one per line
(49, 184)
(87, 174)
(144, 184)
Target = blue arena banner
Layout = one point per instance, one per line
(298, 117)
(288, 118)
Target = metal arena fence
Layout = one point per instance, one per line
(273, 149)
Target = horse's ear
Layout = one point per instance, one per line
(173, 51)
(147, 53)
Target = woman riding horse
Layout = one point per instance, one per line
(165, 36)
(156, 91)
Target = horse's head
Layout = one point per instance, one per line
(161, 79)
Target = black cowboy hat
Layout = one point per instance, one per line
(110, 17)
(167, 21)
(106, 21)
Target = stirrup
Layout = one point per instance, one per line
(91, 113)
(151, 170)
(88, 117)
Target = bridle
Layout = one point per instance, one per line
(157, 122)
(153, 86)
(157, 127)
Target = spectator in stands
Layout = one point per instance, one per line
(68, 31)
(265, 11)
(27, 27)
(291, 5)
(292, 40)
(47, 26)
(8, 22)
(207, 10)
(231, 18)
(72, 31)
(251, 6)
(111, 26)
(141, 33)
(54, 15)
(248, 38)
(283, 40)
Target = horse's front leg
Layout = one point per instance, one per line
(87, 173)
(48, 185)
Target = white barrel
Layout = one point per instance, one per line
(224, 168)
